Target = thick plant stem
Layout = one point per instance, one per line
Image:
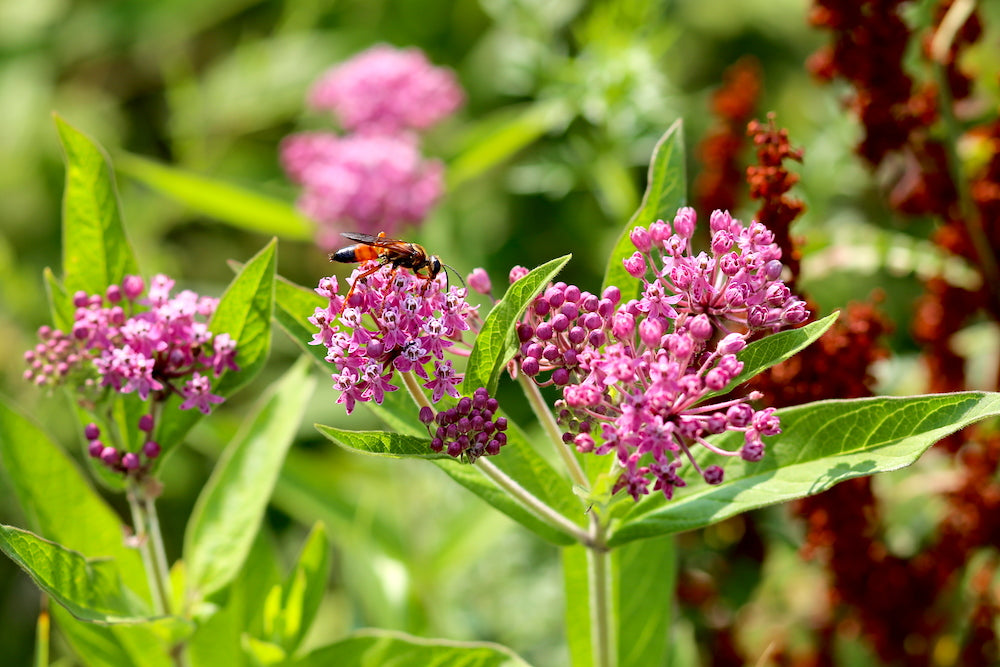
(144, 537)
(531, 502)
(548, 422)
(534, 505)
(599, 578)
(416, 393)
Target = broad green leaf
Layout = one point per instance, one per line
(666, 191)
(229, 510)
(60, 303)
(213, 198)
(302, 593)
(293, 306)
(244, 312)
(90, 589)
(218, 638)
(111, 645)
(382, 647)
(262, 653)
(644, 621)
(821, 444)
(576, 588)
(96, 252)
(500, 137)
(761, 354)
(381, 443)
(517, 459)
(58, 501)
(497, 341)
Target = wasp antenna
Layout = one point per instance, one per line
(453, 270)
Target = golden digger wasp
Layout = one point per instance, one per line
(389, 251)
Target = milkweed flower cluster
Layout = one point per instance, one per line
(393, 321)
(131, 340)
(387, 91)
(470, 429)
(129, 463)
(368, 183)
(372, 178)
(636, 376)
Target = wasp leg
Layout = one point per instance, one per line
(355, 284)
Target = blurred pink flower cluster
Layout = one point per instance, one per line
(373, 178)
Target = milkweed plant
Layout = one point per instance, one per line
(645, 426)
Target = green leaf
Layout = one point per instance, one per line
(60, 302)
(498, 138)
(58, 501)
(111, 645)
(497, 341)
(228, 203)
(382, 647)
(293, 306)
(517, 459)
(96, 252)
(576, 588)
(218, 638)
(90, 589)
(821, 444)
(666, 191)
(382, 443)
(761, 354)
(643, 627)
(302, 593)
(244, 312)
(229, 510)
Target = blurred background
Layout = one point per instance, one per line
(565, 101)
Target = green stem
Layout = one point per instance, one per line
(159, 553)
(413, 386)
(599, 578)
(43, 629)
(548, 422)
(536, 506)
(143, 537)
(515, 490)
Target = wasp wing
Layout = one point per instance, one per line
(368, 239)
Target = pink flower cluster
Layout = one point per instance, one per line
(737, 283)
(387, 91)
(468, 430)
(374, 178)
(135, 464)
(394, 321)
(636, 377)
(368, 183)
(150, 351)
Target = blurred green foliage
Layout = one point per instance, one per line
(566, 100)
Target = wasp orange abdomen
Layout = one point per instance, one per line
(356, 254)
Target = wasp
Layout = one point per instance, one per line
(389, 251)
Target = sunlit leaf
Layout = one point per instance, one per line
(821, 444)
(213, 198)
(666, 191)
(382, 647)
(228, 513)
(96, 252)
(497, 341)
(90, 589)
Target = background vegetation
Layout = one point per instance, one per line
(565, 101)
